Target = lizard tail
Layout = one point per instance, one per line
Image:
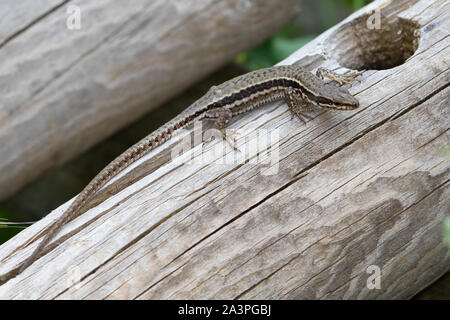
(68, 215)
(71, 213)
(121, 162)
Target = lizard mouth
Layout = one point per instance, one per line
(345, 106)
(325, 103)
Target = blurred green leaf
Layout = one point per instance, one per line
(447, 231)
(445, 150)
(259, 57)
(7, 231)
(283, 47)
(290, 31)
(272, 51)
(291, 37)
(358, 4)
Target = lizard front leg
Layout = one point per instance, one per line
(339, 78)
(297, 105)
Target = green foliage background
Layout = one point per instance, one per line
(8, 231)
(294, 36)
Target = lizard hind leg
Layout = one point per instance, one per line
(220, 117)
(297, 105)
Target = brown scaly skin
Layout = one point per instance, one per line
(296, 86)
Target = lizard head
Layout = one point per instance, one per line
(334, 97)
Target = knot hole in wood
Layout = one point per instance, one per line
(374, 41)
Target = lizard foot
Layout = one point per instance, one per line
(339, 78)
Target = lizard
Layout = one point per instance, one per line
(297, 87)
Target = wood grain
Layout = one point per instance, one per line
(349, 190)
(64, 90)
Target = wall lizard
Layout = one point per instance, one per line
(299, 88)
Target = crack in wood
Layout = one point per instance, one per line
(32, 23)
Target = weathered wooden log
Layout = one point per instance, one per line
(60, 184)
(63, 89)
(349, 205)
